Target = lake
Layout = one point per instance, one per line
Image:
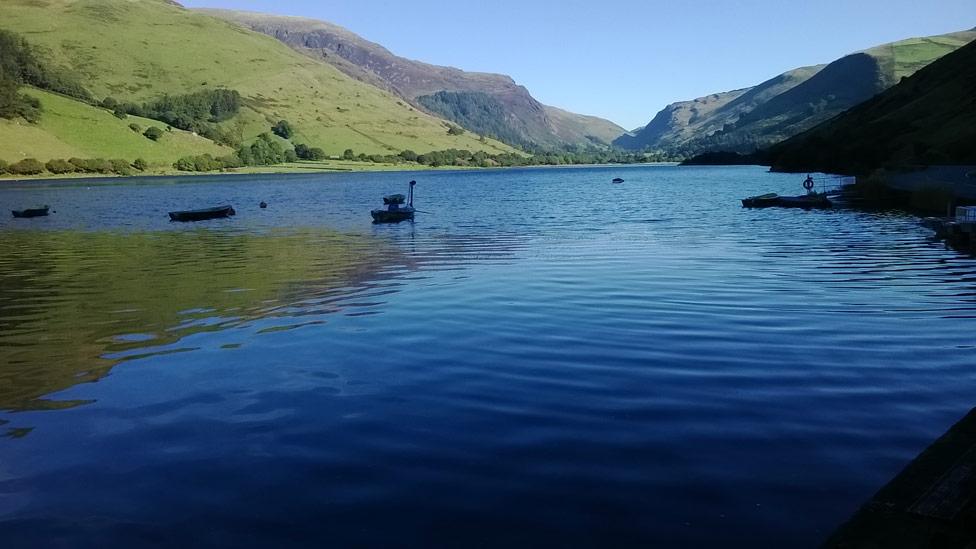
(541, 358)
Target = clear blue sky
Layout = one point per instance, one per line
(626, 59)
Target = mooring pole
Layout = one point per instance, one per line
(412, 183)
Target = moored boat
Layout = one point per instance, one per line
(396, 211)
(392, 216)
(761, 201)
(202, 214)
(31, 212)
(617, 180)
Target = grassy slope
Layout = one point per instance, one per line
(929, 117)
(70, 128)
(678, 121)
(803, 98)
(581, 128)
(847, 82)
(139, 50)
(905, 57)
(371, 62)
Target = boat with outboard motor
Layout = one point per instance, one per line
(396, 211)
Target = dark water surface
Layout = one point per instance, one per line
(544, 358)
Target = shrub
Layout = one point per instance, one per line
(309, 153)
(135, 127)
(3, 166)
(27, 166)
(133, 109)
(290, 156)
(201, 163)
(59, 166)
(282, 129)
(263, 152)
(348, 155)
(455, 130)
(100, 165)
(154, 133)
(231, 161)
(140, 164)
(193, 111)
(120, 113)
(408, 155)
(220, 136)
(184, 164)
(110, 103)
(120, 166)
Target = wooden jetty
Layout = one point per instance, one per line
(930, 504)
(831, 188)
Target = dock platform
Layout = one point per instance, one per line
(931, 504)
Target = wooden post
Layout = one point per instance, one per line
(412, 183)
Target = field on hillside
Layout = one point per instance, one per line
(905, 57)
(134, 51)
(70, 128)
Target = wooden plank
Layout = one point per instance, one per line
(952, 492)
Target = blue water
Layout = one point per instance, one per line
(542, 358)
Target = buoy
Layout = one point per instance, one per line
(263, 204)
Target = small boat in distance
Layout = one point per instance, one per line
(202, 214)
(31, 212)
(395, 211)
(617, 180)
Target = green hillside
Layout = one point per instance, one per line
(582, 129)
(70, 128)
(928, 118)
(485, 103)
(137, 51)
(790, 103)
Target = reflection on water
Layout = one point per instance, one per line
(543, 359)
(75, 304)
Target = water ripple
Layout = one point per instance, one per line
(545, 359)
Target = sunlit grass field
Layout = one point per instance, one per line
(135, 51)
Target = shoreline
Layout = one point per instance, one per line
(305, 169)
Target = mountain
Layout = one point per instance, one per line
(141, 51)
(743, 120)
(927, 118)
(484, 103)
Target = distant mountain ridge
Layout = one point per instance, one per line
(503, 108)
(790, 103)
(928, 118)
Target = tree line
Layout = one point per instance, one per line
(199, 112)
(58, 166)
(482, 159)
(20, 65)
